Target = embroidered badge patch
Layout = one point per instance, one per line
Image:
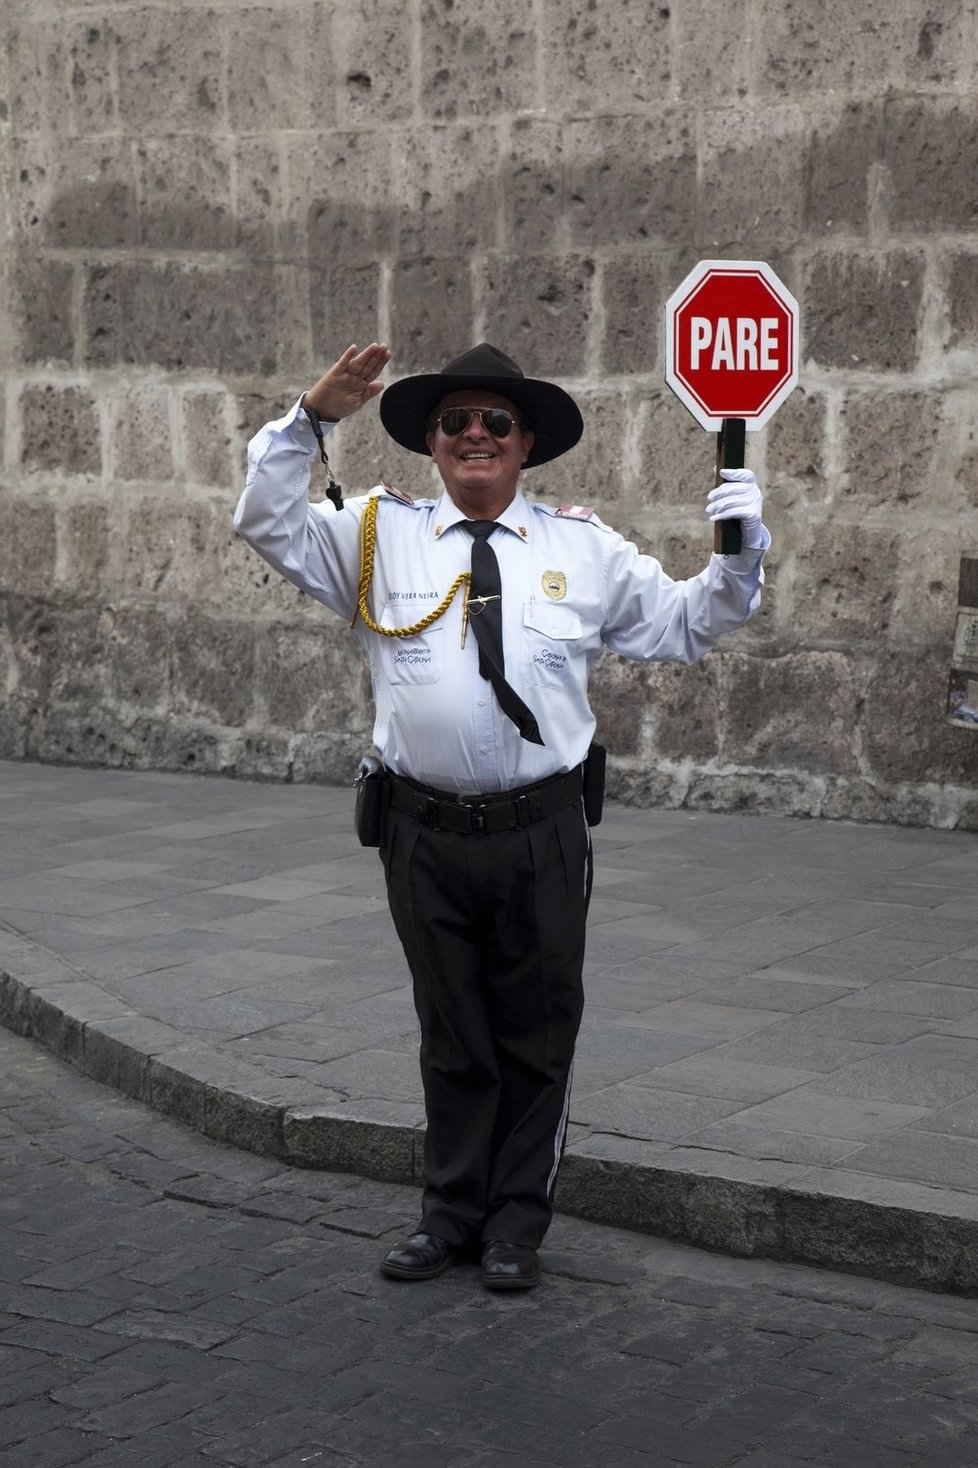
(554, 584)
(399, 494)
(575, 512)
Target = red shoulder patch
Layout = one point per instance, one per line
(575, 512)
(399, 494)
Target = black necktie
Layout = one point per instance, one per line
(486, 615)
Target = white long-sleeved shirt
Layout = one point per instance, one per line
(571, 586)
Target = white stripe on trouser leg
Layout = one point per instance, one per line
(561, 1132)
(562, 1124)
(587, 854)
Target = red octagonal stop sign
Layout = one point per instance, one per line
(732, 342)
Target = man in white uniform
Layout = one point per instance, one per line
(481, 614)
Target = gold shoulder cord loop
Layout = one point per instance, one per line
(368, 549)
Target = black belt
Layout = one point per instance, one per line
(513, 810)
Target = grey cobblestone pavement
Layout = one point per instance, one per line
(780, 1048)
(168, 1300)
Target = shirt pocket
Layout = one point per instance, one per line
(417, 658)
(551, 638)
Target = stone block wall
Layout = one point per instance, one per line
(203, 203)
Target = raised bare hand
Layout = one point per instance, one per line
(350, 382)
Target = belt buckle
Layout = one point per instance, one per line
(477, 817)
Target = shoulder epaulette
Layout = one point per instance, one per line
(583, 514)
(398, 494)
(386, 493)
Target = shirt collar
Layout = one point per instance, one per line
(515, 517)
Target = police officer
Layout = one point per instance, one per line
(481, 614)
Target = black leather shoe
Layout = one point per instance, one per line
(422, 1256)
(509, 1266)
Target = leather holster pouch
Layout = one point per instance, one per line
(594, 784)
(370, 805)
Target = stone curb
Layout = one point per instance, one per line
(230, 1101)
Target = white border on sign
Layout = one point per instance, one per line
(678, 299)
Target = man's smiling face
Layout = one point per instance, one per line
(479, 471)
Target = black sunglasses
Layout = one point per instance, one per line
(497, 421)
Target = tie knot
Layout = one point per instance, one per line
(480, 529)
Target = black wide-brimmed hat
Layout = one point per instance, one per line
(552, 414)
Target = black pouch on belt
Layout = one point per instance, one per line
(371, 800)
(594, 783)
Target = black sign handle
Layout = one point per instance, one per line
(731, 450)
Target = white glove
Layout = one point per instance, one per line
(738, 498)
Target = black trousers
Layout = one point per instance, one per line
(493, 929)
